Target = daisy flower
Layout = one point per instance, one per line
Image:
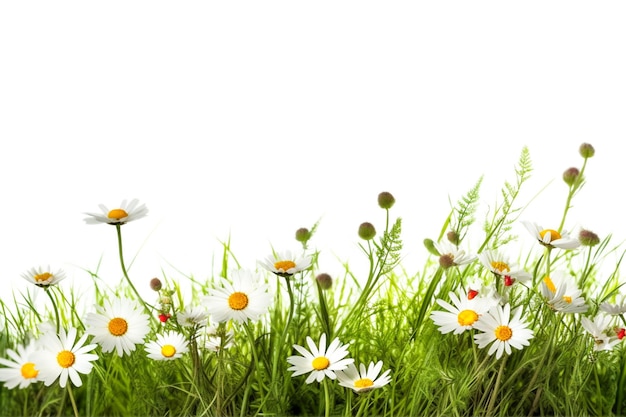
(44, 277)
(167, 346)
(614, 309)
(562, 294)
(500, 265)
(450, 255)
(502, 329)
(550, 237)
(120, 327)
(363, 379)
(127, 212)
(62, 356)
(320, 361)
(598, 329)
(192, 316)
(286, 263)
(20, 369)
(243, 298)
(218, 339)
(459, 316)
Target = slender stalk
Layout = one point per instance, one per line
(72, 400)
(147, 306)
(54, 306)
(496, 388)
(326, 398)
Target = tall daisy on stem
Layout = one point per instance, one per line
(127, 212)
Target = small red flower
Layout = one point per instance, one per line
(471, 294)
(621, 333)
(508, 281)
(164, 317)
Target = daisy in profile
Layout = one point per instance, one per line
(502, 329)
(562, 293)
(614, 309)
(363, 379)
(244, 297)
(320, 361)
(461, 315)
(601, 330)
(127, 212)
(192, 316)
(20, 370)
(450, 255)
(167, 346)
(502, 266)
(550, 237)
(62, 356)
(44, 277)
(218, 338)
(286, 264)
(120, 326)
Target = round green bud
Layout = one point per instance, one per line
(386, 200)
(324, 280)
(588, 238)
(586, 150)
(156, 284)
(430, 246)
(303, 234)
(367, 231)
(571, 175)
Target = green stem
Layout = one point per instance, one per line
(147, 306)
(72, 400)
(496, 388)
(326, 398)
(54, 306)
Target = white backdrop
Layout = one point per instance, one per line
(256, 118)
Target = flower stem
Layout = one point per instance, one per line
(72, 400)
(148, 307)
(494, 394)
(56, 310)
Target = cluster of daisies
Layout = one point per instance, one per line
(486, 309)
(122, 324)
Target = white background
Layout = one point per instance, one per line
(252, 119)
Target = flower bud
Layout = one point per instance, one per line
(324, 280)
(446, 261)
(571, 175)
(453, 237)
(303, 234)
(156, 284)
(367, 231)
(386, 200)
(588, 238)
(430, 246)
(586, 150)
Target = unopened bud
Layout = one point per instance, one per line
(588, 238)
(156, 284)
(386, 200)
(367, 231)
(430, 246)
(324, 280)
(453, 237)
(586, 150)
(571, 175)
(303, 234)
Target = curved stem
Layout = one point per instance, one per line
(56, 310)
(72, 400)
(147, 306)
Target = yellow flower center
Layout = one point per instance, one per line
(29, 371)
(554, 235)
(65, 358)
(567, 299)
(168, 351)
(117, 214)
(467, 317)
(118, 326)
(500, 266)
(43, 276)
(549, 284)
(503, 333)
(363, 383)
(320, 363)
(238, 301)
(284, 265)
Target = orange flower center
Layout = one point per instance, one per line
(168, 351)
(320, 363)
(554, 235)
(29, 371)
(467, 317)
(118, 326)
(238, 301)
(503, 333)
(65, 358)
(284, 265)
(117, 214)
(363, 383)
(549, 284)
(43, 276)
(500, 266)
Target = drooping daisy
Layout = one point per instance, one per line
(62, 356)
(286, 263)
(127, 212)
(363, 379)
(244, 297)
(167, 346)
(218, 338)
(460, 315)
(550, 237)
(20, 369)
(562, 293)
(119, 327)
(450, 255)
(600, 329)
(44, 277)
(501, 265)
(320, 361)
(614, 309)
(192, 316)
(502, 329)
